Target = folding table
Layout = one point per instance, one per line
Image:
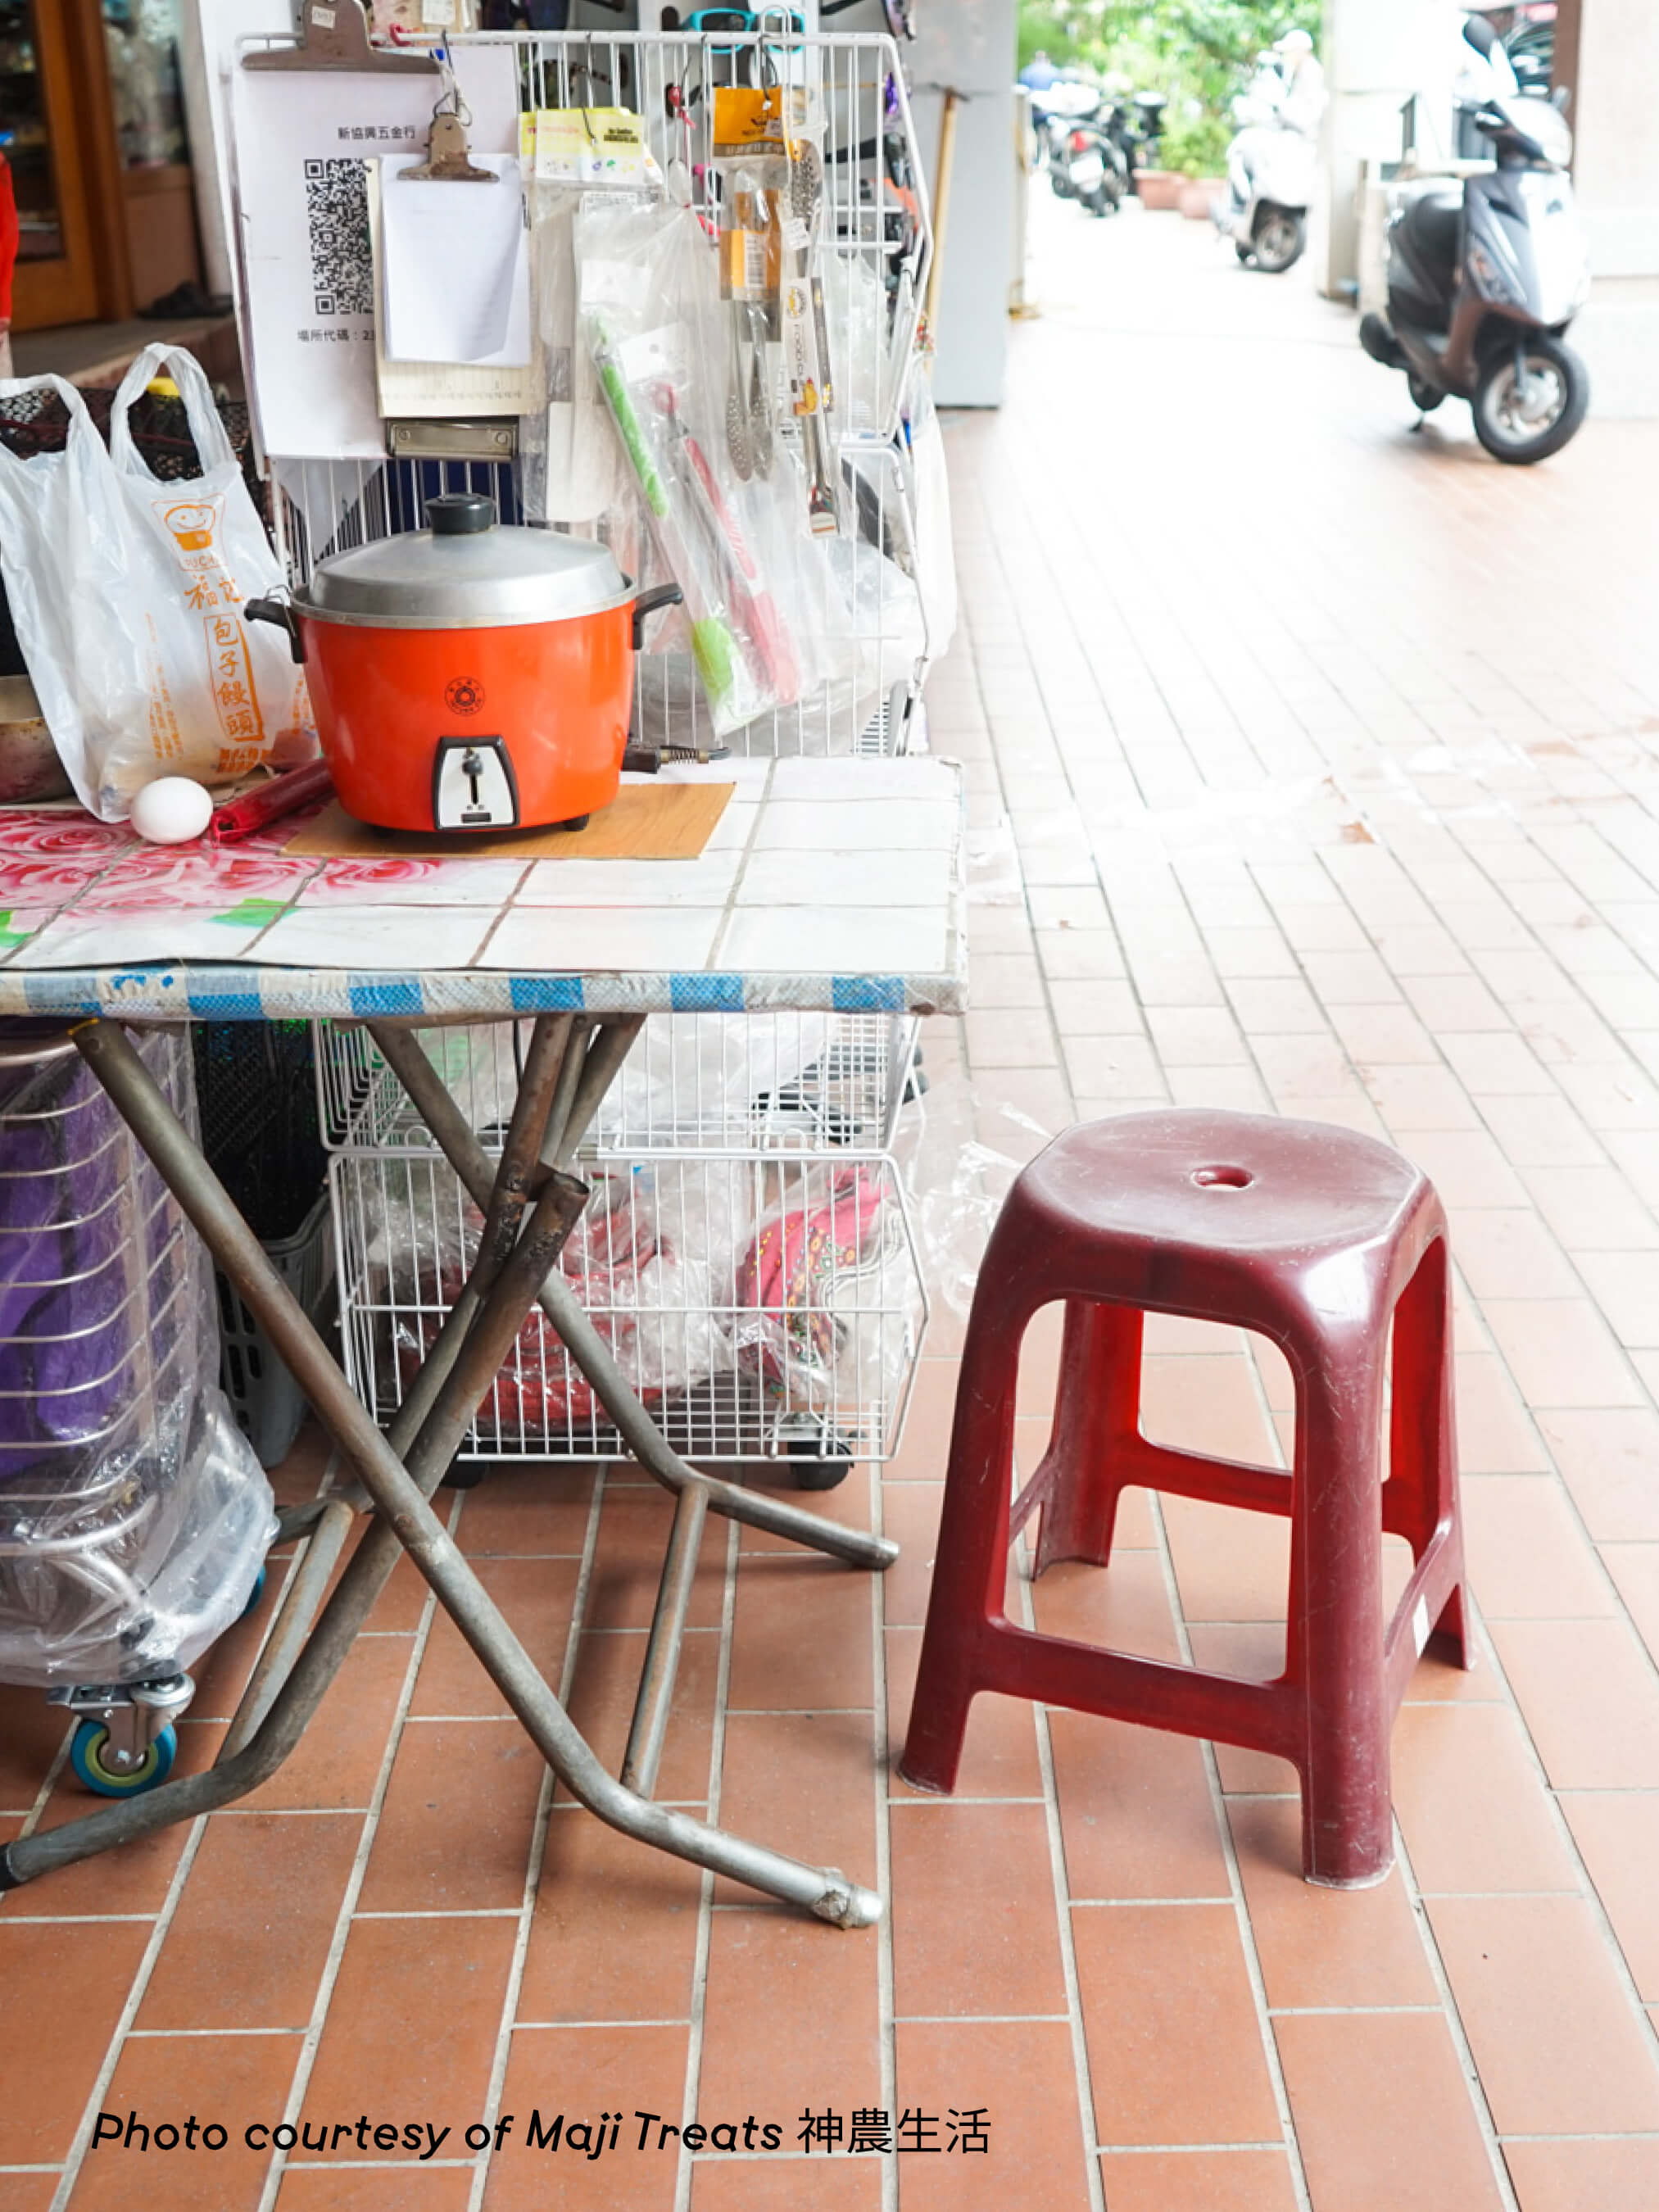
(865, 914)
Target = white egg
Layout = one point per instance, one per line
(171, 811)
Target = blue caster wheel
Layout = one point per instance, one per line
(86, 1756)
(254, 1596)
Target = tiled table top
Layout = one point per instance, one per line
(828, 884)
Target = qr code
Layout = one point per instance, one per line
(337, 214)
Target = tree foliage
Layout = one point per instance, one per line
(1199, 52)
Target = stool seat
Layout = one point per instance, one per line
(1334, 1246)
(1188, 1180)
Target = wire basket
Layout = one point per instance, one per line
(763, 1307)
(775, 1082)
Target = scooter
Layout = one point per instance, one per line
(1484, 277)
(1098, 174)
(1270, 180)
(1056, 111)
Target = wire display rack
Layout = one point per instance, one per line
(863, 601)
(712, 1111)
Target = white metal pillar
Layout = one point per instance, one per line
(1616, 171)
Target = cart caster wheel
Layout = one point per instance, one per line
(254, 1596)
(86, 1756)
(465, 1474)
(821, 1473)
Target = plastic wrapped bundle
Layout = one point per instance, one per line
(133, 1514)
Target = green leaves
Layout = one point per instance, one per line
(1199, 50)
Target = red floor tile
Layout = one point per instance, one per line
(1024, 2079)
(581, 2072)
(455, 1829)
(1198, 2181)
(248, 1940)
(1467, 1790)
(1323, 1947)
(414, 2018)
(615, 1931)
(77, 1977)
(1174, 2045)
(792, 2017)
(234, 2081)
(1560, 2048)
(1382, 2114)
(1584, 2177)
(974, 1928)
(1136, 1813)
(1618, 1832)
(431, 2189)
(1588, 1692)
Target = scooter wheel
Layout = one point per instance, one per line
(1425, 397)
(1279, 241)
(86, 1756)
(1521, 426)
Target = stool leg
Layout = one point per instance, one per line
(1336, 1619)
(1097, 1417)
(971, 1564)
(1423, 1436)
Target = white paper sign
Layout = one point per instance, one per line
(455, 264)
(300, 140)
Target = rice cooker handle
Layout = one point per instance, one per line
(279, 612)
(659, 595)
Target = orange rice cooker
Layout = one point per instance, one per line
(471, 676)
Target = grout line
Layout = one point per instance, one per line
(1236, 1884)
(78, 2148)
(295, 2104)
(1073, 2014)
(706, 1887)
(526, 1909)
(1466, 2059)
(886, 2000)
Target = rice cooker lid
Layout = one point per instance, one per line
(465, 570)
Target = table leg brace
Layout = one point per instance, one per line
(409, 1523)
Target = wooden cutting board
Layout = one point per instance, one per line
(645, 821)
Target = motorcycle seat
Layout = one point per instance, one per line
(1432, 221)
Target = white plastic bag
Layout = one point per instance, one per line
(64, 548)
(127, 593)
(228, 697)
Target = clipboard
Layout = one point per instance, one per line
(334, 35)
(423, 390)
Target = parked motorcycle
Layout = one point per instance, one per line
(1484, 277)
(1056, 110)
(1099, 171)
(1270, 164)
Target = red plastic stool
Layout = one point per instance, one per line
(1318, 1238)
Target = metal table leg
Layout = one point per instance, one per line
(514, 1264)
(697, 1493)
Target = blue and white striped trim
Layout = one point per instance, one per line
(186, 991)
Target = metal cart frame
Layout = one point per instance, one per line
(531, 1199)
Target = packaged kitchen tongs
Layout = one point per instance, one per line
(769, 152)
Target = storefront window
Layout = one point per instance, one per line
(23, 116)
(143, 37)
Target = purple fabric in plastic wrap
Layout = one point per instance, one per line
(133, 1515)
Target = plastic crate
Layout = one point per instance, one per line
(267, 1402)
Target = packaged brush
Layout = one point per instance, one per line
(650, 315)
